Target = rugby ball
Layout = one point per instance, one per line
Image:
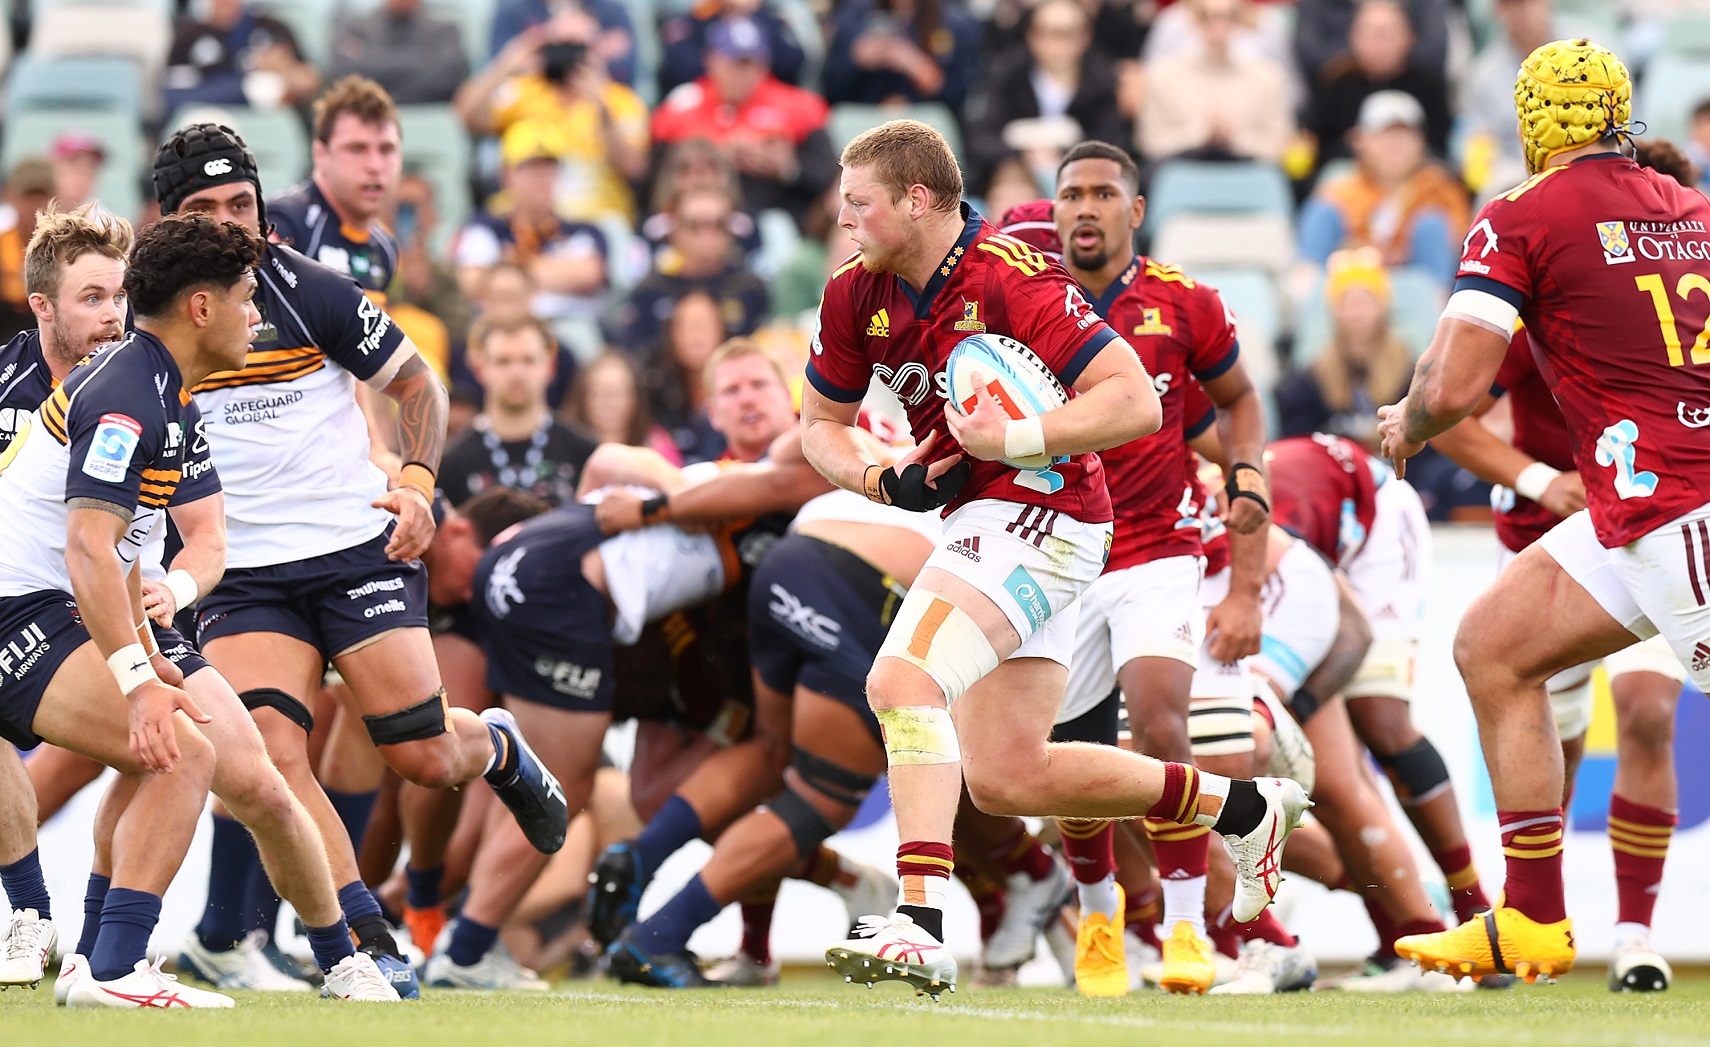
(1014, 375)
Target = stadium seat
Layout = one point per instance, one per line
(1251, 294)
(108, 82)
(436, 144)
(649, 50)
(1686, 33)
(138, 31)
(849, 119)
(276, 136)
(779, 240)
(799, 16)
(30, 133)
(1416, 301)
(1672, 85)
(1198, 240)
(626, 256)
(1232, 188)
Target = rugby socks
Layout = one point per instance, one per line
(1267, 928)
(127, 919)
(1183, 856)
(506, 762)
(1144, 909)
(330, 944)
(1231, 806)
(1222, 933)
(988, 897)
(422, 889)
(470, 941)
(1532, 844)
(362, 913)
(1383, 925)
(25, 888)
(222, 924)
(261, 902)
(94, 897)
(354, 810)
(1639, 836)
(1090, 847)
(924, 870)
(669, 929)
(1020, 854)
(757, 929)
(1465, 894)
(675, 824)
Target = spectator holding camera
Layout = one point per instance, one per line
(552, 74)
(773, 133)
(613, 40)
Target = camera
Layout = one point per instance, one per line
(560, 60)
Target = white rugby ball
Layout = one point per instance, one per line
(1013, 374)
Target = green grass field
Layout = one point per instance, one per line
(813, 1012)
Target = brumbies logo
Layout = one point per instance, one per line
(970, 318)
(1613, 237)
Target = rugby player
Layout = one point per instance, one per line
(1554, 252)
(1140, 623)
(321, 557)
(942, 272)
(1538, 486)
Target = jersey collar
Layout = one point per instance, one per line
(1102, 303)
(971, 222)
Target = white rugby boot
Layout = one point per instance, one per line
(26, 949)
(1258, 854)
(357, 978)
(147, 986)
(894, 948)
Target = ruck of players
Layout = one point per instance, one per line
(1006, 561)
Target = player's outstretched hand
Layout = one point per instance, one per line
(158, 603)
(1234, 628)
(981, 432)
(154, 738)
(414, 531)
(1565, 495)
(1392, 426)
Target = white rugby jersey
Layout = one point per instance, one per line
(115, 432)
(287, 436)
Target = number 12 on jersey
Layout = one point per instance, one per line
(1653, 283)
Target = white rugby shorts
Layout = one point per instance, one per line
(1149, 610)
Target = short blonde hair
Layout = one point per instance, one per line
(904, 153)
(62, 237)
(736, 349)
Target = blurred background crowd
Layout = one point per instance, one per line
(649, 177)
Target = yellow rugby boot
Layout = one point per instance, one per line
(1101, 961)
(1497, 941)
(1188, 963)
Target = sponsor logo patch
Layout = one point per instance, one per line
(880, 325)
(1029, 595)
(110, 452)
(577, 681)
(218, 166)
(969, 547)
(1616, 247)
(970, 318)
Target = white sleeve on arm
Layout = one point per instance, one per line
(1482, 309)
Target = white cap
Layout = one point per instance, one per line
(1383, 109)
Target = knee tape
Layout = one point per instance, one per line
(1221, 726)
(280, 702)
(838, 783)
(428, 718)
(1650, 656)
(919, 735)
(1418, 772)
(1572, 709)
(934, 635)
(808, 828)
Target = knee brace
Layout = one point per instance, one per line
(428, 718)
(808, 828)
(941, 640)
(839, 783)
(1418, 772)
(919, 735)
(1221, 726)
(280, 702)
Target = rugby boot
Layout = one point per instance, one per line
(1497, 941)
(533, 795)
(894, 948)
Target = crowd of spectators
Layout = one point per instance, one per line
(646, 180)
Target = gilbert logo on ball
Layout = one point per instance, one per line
(1014, 376)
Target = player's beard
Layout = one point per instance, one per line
(1090, 261)
(62, 343)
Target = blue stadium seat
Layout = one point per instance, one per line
(1672, 85)
(275, 136)
(849, 119)
(1251, 294)
(31, 133)
(1233, 188)
(96, 82)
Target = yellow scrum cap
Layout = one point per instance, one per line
(1570, 93)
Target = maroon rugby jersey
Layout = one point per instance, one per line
(1540, 431)
(873, 324)
(1180, 328)
(1199, 504)
(1609, 266)
(1323, 491)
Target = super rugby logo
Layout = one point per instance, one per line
(115, 441)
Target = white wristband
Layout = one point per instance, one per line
(1534, 480)
(1024, 438)
(184, 590)
(130, 666)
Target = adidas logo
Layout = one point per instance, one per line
(880, 327)
(969, 547)
(1700, 657)
(1184, 633)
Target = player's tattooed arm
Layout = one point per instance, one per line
(423, 410)
(100, 506)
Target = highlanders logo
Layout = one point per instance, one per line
(970, 317)
(1613, 237)
(1152, 322)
